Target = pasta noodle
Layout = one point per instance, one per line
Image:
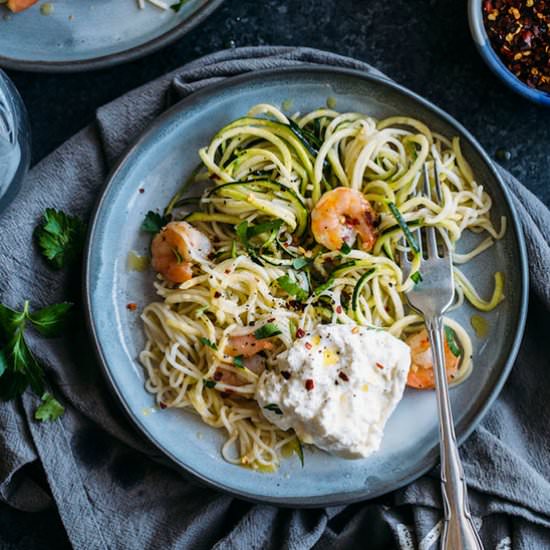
(259, 180)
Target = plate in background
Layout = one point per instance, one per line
(90, 34)
(158, 163)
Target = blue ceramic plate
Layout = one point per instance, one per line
(158, 163)
(90, 34)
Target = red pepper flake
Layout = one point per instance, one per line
(310, 384)
(141, 190)
(343, 376)
(300, 333)
(217, 294)
(285, 374)
(308, 345)
(218, 375)
(163, 405)
(378, 365)
(131, 306)
(519, 32)
(339, 310)
(227, 271)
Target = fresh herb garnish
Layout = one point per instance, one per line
(268, 330)
(178, 5)
(273, 408)
(264, 227)
(299, 263)
(292, 288)
(60, 237)
(404, 227)
(50, 409)
(345, 249)
(238, 361)
(210, 384)
(209, 343)
(451, 341)
(18, 367)
(416, 277)
(154, 222)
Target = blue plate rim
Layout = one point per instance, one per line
(106, 61)
(480, 408)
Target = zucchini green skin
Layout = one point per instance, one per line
(216, 217)
(240, 190)
(305, 152)
(359, 287)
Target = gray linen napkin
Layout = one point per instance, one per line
(114, 490)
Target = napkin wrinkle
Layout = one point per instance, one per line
(114, 489)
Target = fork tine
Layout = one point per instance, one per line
(403, 256)
(431, 242)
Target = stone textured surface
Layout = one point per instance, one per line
(425, 45)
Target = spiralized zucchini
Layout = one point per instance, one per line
(265, 174)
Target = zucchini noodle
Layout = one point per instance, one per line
(259, 180)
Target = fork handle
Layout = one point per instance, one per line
(458, 531)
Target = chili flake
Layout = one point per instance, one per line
(131, 306)
(300, 333)
(343, 376)
(519, 31)
(310, 384)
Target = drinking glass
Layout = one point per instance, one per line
(15, 141)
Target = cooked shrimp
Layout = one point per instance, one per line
(421, 375)
(247, 345)
(175, 247)
(340, 216)
(256, 364)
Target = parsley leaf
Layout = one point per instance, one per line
(178, 5)
(267, 331)
(292, 288)
(345, 249)
(273, 408)
(50, 321)
(60, 237)
(210, 383)
(238, 361)
(416, 277)
(208, 343)
(18, 367)
(50, 409)
(154, 222)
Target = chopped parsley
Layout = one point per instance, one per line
(273, 408)
(209, 343)
(238, 361)
(345, 249)
(154, 222)
(267, 331)
(210, 384)
(416, 277)
(292, 288)
(178, 5)
(60, 237)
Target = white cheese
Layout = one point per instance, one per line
(337, 387)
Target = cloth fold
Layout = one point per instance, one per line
(114, 490)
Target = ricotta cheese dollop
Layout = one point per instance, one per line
(336, 387)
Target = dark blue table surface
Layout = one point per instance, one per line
(425, 45)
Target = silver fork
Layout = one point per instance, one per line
(431, 297)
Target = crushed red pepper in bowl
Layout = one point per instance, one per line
(519, 31)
